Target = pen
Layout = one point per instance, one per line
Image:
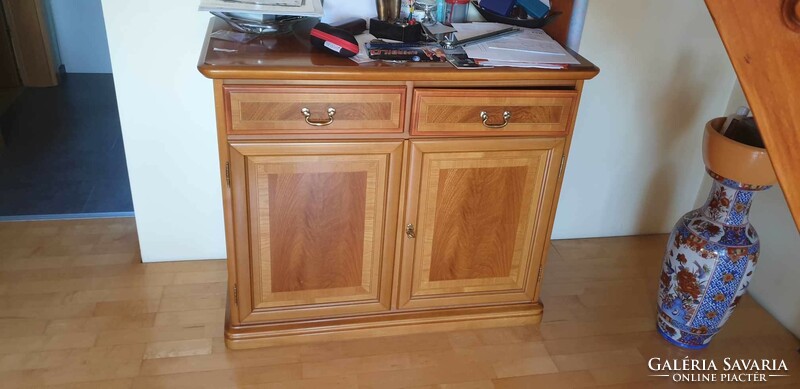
(482, 38)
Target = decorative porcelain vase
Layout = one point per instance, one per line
(713, 250)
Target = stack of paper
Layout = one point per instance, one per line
(527, 48)
(267, 7)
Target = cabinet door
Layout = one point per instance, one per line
(480, 211)
(315, 226)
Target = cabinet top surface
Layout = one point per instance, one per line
(291, 57)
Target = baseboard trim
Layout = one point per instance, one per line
(387, 324)
(66, 216)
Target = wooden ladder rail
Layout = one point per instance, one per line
(762, 38)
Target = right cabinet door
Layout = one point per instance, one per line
(476, 220)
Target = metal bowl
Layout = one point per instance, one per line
(280, 25)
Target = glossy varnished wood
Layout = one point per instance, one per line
(291, 57)
(284, 297)
(457, 112)
(479, 208)
(476, 221)
(762, 38)
(269, 110)
(78, 309)
(319, 223)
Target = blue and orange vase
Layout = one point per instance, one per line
(713, 250)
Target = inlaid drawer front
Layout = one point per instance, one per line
(256, 109)
(482, 112)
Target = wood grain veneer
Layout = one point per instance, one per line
(762, 38)
(277, 110)
(317, 216)
(456, 112)
(477, 214)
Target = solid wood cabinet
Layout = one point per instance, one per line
(377, 199)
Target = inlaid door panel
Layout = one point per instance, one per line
(479, 211)
(320, 222)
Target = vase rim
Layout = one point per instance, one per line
(734, 160)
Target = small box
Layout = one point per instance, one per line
(500, 7)
(534, 8)
(404, 33)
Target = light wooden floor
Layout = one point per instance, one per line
(78, 310)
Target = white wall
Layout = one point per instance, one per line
(774, 283)
(81, 35)
(167, 116)
(635, 162)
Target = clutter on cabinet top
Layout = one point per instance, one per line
(416, 35)
(263, 16)
(525, 48)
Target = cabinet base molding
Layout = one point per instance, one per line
(387, 324)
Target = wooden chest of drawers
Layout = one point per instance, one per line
(380, 200)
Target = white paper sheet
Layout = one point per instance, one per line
(531, 46)
(362, 56)
(468, 30)
(530, 41)
(485, 51)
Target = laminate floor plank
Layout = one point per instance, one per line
(78, 309)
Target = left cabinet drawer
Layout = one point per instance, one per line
(258, 109)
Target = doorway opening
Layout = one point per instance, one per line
(61, 149)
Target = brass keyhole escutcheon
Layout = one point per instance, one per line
(410, 231)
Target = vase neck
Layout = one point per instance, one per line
(728, 205)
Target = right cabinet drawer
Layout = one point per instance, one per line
(488, 112)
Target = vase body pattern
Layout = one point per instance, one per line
(709, 260)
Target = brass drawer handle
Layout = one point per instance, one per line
(410, 231)
(485, 117)
(307, 114)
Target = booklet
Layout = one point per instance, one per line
(405, 52)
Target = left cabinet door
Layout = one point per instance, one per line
(314, 227)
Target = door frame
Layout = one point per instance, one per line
(29, 30)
